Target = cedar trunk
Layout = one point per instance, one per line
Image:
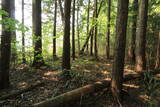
(78, 26)
(108, 30)
(66, 40)
(133, 35)
(54, 30)
(73, 30)
(141, 36)
(23, 35)
(158, 54)
(118, 64)
(36, 14)
(5, 48)
(95, 30)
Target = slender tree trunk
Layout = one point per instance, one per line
(95, 30)
(66, 40)
(38, 59)
(78, 26)
(23, 35)
(13, 37)
(91, 42)
(91, 30)
(158, 54)
(54, 30)
(73, 30)
(118, 64)
(133, 36)
(141, 35)
(88, 15)
(61, 9)
(5, 47)
(108, 30)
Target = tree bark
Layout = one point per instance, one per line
(95, 30)
(61, 9)
(66, 40)
(118, 63)
(78, 26)
(141, 36)
(38, 58)
(13, 37)
(108, 30)
(158, 54)
(23, 36)
(133, 35)
(5, 47)
(54, 30)
(88, 15)
(73, 31)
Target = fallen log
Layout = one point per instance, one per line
(63, 99)
(22, 91)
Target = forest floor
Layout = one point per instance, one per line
(85, 70)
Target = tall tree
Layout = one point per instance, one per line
(13, 46)
(158, 54)
(54, 30)
(88, 15)
(5, 47)
(36, 15)
(66, 39)
(95, 29)
(78, 26)
(108, 30)
(118, 64)
(61, 9)
(23, 35)
(133, 35)
(73, 30)
(141, 35)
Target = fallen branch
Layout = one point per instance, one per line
(22, 91)
(67, 97)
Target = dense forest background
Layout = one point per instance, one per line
(62, 45)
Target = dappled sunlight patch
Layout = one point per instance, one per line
(108, 64)
(131, 85)
(50, 75)
(86, 70)
(23, 84)
(144, 97)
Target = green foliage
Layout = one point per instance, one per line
(151, 85)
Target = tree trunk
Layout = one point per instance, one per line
(108, 30)
(5, 47)
(66, 40)
(78, 26)
(141, 35)
(73, 30)
(88, 15)
(23, 35)
(54, 30)
(95, 30)
(118, 64)
(13, 37)
(91, 42)
(91, 30)
(158, 54)
(38, 58)
(61, 9)
(133, 35)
